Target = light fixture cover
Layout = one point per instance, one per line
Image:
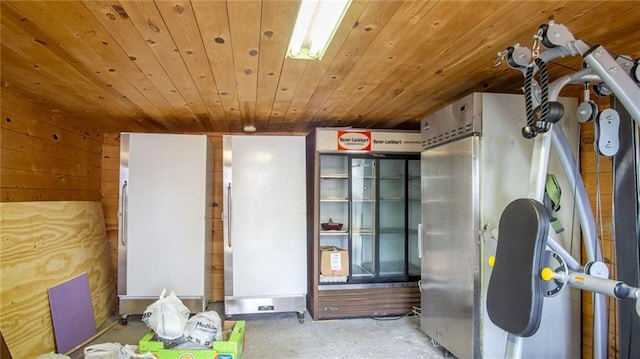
(315, 26)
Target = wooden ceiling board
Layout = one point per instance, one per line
(216, 36)
(464, 67)
(301, 80)
(274, 39)
(362, 33)
(244, 21)
(181, 22)
(55, 95)
(295, 104)
(215, 66)
(62, 84)
(122, 30)
(110, 59)
(291, 76)
(150, 25)
(477, 73)
(392, 53)
(304, 104)
(87, 49)
(31, 82)
(438, 51)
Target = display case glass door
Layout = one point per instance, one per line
(363, 215)
(334, 200)
(392, 218)
(414, 217)
(377, 202)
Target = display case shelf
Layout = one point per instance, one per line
(335, 176)
(362, 231)
(334, 232)
(391, 231)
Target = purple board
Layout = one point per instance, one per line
(72, 312)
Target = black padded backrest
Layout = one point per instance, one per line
(515, 292)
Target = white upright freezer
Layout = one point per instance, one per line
(165, 220)
(265, 249)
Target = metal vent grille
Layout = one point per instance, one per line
(462, 118)
(450, 135)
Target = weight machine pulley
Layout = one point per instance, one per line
(547, 272)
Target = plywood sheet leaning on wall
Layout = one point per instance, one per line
(41, 245)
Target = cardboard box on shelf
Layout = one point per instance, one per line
(334, 261)
(228, 349)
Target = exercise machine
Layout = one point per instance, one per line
(529, 264)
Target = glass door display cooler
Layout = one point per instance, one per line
(363, 225)
(370, 207)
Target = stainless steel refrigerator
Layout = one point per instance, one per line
(265, 250)
(474, 162)
(164, 220)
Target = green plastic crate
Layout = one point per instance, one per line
(229, 349)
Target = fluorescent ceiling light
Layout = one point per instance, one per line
(316, 24)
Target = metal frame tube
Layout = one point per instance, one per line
(589, 234)
(557, 85)
(587, 223)
(616, 78)
(539, 165)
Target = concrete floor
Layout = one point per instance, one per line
(281, 335)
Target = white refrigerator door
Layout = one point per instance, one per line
(165, 214)
(266, 220)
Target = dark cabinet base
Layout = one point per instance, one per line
(366, 302)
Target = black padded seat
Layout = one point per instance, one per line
(515, 292)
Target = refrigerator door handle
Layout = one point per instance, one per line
(419, 240)
(123, 215)
(229, 212)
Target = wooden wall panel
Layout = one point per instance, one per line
(42, 245)
(46, 155)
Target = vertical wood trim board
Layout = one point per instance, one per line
(604, 175)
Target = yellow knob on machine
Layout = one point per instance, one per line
(492, 261)
(547, 274)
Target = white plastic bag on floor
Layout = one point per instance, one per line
(203, 328)
(102, 351)
(131, 352)
(167, 316)
(52, 356)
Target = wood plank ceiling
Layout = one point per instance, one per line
(192, 66)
